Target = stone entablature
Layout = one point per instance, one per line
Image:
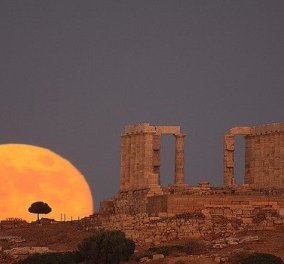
(140, 156)
(264, 155)
(267, 129)
(146, 127)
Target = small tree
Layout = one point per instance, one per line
(107, 247)
(39, 208)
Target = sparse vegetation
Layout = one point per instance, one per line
(261, 258)
(106, 247)
(245, 257)
(39, 208)
(239, 255)
(190, 247)
(194, 246)
(53, 258)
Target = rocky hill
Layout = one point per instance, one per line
(18, 241)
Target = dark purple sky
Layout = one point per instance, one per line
(73, 73)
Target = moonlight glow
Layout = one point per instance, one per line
(29, 173)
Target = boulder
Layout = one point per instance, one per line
(158, 256)
(144, 259)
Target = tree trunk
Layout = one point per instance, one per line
(38, 218)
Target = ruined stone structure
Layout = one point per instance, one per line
(152, 214)
(140, 156)
(264, 156)
(193, 213)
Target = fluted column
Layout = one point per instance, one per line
(156, 155)
(136, 161)
(123, 153)
(229, 163)
(132, 162)
(179, 159)
(148, 159)
(127, 161)
(140, 160)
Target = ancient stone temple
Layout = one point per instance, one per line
(152, 214)
(140, 156)
(264, 156)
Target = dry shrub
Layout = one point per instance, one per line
(180, 262)
(193, 247)
(261, 258)
(238, 256)
(246, 257)
(190, 247)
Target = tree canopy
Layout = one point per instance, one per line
(39, 208)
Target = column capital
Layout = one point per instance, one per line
(125, 135)
(181, 135)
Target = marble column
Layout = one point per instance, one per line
(179, 159)
(136, 161)
(140, 160)
(148, 159)
(127, 161)
(123, 153)
(229, 163)
(132, 162)
(156, 155)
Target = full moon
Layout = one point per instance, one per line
(29, 174)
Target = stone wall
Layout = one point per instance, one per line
(238, 204)
(131, 203)
(194, 217)
(168, 217)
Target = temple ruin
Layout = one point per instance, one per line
(264, 156)
(140, 156)
(152, 214)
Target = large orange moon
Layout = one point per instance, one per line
(30, 173)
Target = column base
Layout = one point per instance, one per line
(155, 189)
(180, 185)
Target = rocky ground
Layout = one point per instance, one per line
(18, 242)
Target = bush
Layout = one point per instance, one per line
(193, 247)
(53, 258)
(165, 250)
(239, 255)
(106, 247)
(190, 247)
(261, 258)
